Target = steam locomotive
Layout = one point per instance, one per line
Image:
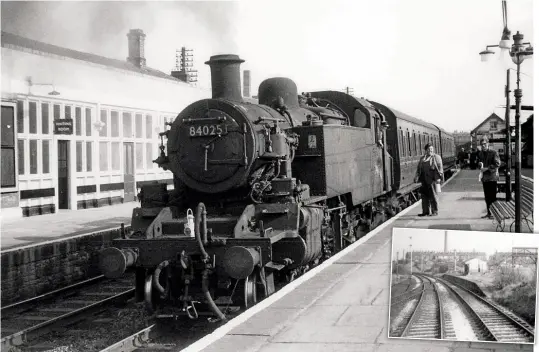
(276, 187)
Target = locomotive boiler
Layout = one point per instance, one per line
(262, 193)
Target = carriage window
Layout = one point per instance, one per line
(409, 143)
(415, 144)
(401, 143)
(360, 119)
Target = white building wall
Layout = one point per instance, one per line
(95, 89)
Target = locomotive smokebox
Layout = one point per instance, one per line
(271, 89)
(225, 77)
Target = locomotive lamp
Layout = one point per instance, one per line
(519, 52)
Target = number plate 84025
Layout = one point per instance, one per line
(207, 130)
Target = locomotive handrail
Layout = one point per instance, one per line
(206, 119)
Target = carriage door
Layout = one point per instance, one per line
(129, 173)
(63, 174)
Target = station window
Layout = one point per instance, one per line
(79, 156)
(149, 156)
(20, 116)
(45, 118)
(8, 147)
(149, 124)
(139, 156)
(104, 131)
(88, 156)
(114, 124)
(32, 112)
(67, 112)
(56, 111)
(45, 146)
(20, 155)
(33, 156)
(78, 122)
(115, 155)
(493, 125)
(88, 121)
(138, 125)
(127, 125)
(103, 156)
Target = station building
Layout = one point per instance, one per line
(476, 265)
(81, 130)
(492, 127)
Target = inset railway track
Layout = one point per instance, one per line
(425, 317)
(26, 321)
(402, 308)
(499, 324)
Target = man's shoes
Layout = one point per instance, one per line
(434, 214)
(423, 214)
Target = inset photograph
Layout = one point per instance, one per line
(462, 285)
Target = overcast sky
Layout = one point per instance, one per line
(418, 56)
(464, 241)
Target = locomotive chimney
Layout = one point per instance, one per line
(225, 76)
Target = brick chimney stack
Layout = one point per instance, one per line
(136, 47)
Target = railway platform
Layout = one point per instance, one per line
(32, 230)
(342, 305)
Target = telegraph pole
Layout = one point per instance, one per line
(411, 262)
(349, 90)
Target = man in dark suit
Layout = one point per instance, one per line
(489, 162)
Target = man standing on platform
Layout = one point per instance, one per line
(489, 162)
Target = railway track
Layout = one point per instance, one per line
(26, 321)
(499, 324)
(427, 319)
(431, 317)
(402, 308)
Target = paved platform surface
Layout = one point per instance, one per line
(66, 223)
(345, 306)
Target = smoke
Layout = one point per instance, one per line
(100, 27)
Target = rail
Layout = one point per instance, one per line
(28, 333)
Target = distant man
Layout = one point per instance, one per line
(462, 158)
(489, 162)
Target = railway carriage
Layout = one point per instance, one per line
(263, 191)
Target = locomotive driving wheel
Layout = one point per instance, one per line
(249, 291)
(149, 295)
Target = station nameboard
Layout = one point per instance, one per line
(63, 126)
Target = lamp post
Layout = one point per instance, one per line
(518, 54)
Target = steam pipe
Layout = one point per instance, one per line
(208, 296)
(156, 275)
(200, 216)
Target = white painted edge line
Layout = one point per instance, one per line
(60, 239)
(223, 330)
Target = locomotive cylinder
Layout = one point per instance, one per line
(113, 261)
(225, 77)
(239, 262)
